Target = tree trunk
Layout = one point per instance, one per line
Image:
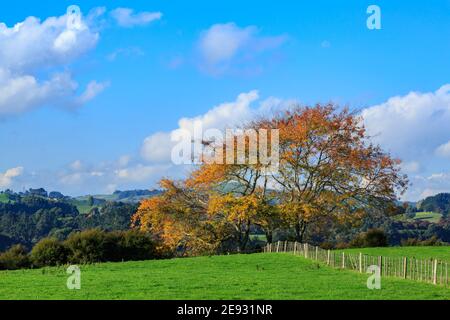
(269, 236)
(300, 228)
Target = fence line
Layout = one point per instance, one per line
(432, 271)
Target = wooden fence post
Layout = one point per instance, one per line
(278, 246)
(328, 257)
(295, 246)
(360, 263)
(380, 264)
(305, 246)
(435, 271)
(405, 267)
(343, 260)
(446, 274)
(317, 253)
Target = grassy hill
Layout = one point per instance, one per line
(440, 253)
(433, 217)
(429, 216)
(130, 196)
(256, 276)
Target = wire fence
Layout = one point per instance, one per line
(432, 271)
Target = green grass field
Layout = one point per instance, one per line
(440, 253)
(432, 217)
(255, 276)
(82, 206)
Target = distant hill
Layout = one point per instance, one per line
(28, 216)
(129, 196)
(439, 203)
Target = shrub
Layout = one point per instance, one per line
(371, 238)
(327, 245)
(359, 241)
(342, 245)
(136, 245)
(87, 246)
(49, 252)
(14, 258)
(375, 238)
(433, 241)
(96, 246)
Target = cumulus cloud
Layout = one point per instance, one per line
(80, 177)
(32, 47)
(32, 44)
(222, 45)
(7, 177)
(444, 150)
(415, 127)
(157, 147)
(416, 119)
(126, 17)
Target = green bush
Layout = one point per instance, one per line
(87, 246)
(49, 252)
(376, 238)
(96, 246)
(14, 258)
(433, 241)
(326, 245)
(371, 238)
(136, 245)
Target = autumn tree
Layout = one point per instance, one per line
(326, 170)
(328, 167)
(179, 219)
(238, 185)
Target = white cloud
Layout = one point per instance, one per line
(157, 147)
(411, 125)
(7, 177)
(443, 150)
(415, 127)
(222, 41)
(92, 90)
(221, 44)
(425, 186)
(28, 50)
(76, 165)
(126, 17)
(32, 44)
(141, 172)
(81, 178)
(411, 167)
(124, 160)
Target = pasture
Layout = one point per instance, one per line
(253, 276)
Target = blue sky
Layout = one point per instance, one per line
(97, 115)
